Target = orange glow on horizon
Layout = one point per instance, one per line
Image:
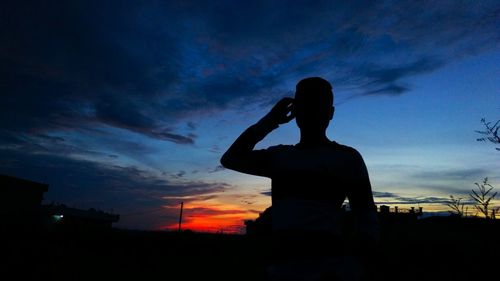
(213, 218)
(219, 212)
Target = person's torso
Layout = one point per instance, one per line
(309, 186)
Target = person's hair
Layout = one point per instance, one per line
(314, 89)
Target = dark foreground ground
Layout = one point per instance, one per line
(430, 249)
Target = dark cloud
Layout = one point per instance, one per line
(266, 193)
(192, 125)
(44, 144)
(402, 200)
(216, 149)
(384, 194)
(173, 137)
(140, 66)
(172, 200)
(473, 174)
(217, 169)
(247, 199)
(396, 199)
(59, 146)
(386, 80)
(70, 64)
(207, 211)
(126, 114)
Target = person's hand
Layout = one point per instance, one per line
(281, 112)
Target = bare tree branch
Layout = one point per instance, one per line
(490, 133)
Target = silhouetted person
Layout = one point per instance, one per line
(310, 181)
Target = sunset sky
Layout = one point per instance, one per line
(128, 105)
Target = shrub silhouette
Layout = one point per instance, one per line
(482, 198)
(457, 207)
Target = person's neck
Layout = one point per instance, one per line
(313, 139)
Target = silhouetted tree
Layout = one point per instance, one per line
(483, 198)
(457, 207)
(490, 133)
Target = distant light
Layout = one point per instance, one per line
(57, 217)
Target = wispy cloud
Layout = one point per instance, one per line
(384, 194)
(472, 174)
(218, 168)
(394, 198)
(266, 193)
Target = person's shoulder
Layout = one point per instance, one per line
(342, 147)
(345, 148)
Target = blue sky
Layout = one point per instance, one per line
(129, 106)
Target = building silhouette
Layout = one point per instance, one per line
(398, 215)
(21, 210)
(20, 207)
(59, 216)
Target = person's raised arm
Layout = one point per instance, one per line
(240, 156)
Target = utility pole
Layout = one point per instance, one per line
(180, 217)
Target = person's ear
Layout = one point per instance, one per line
(332, 112)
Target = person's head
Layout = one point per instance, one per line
(313, 104)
